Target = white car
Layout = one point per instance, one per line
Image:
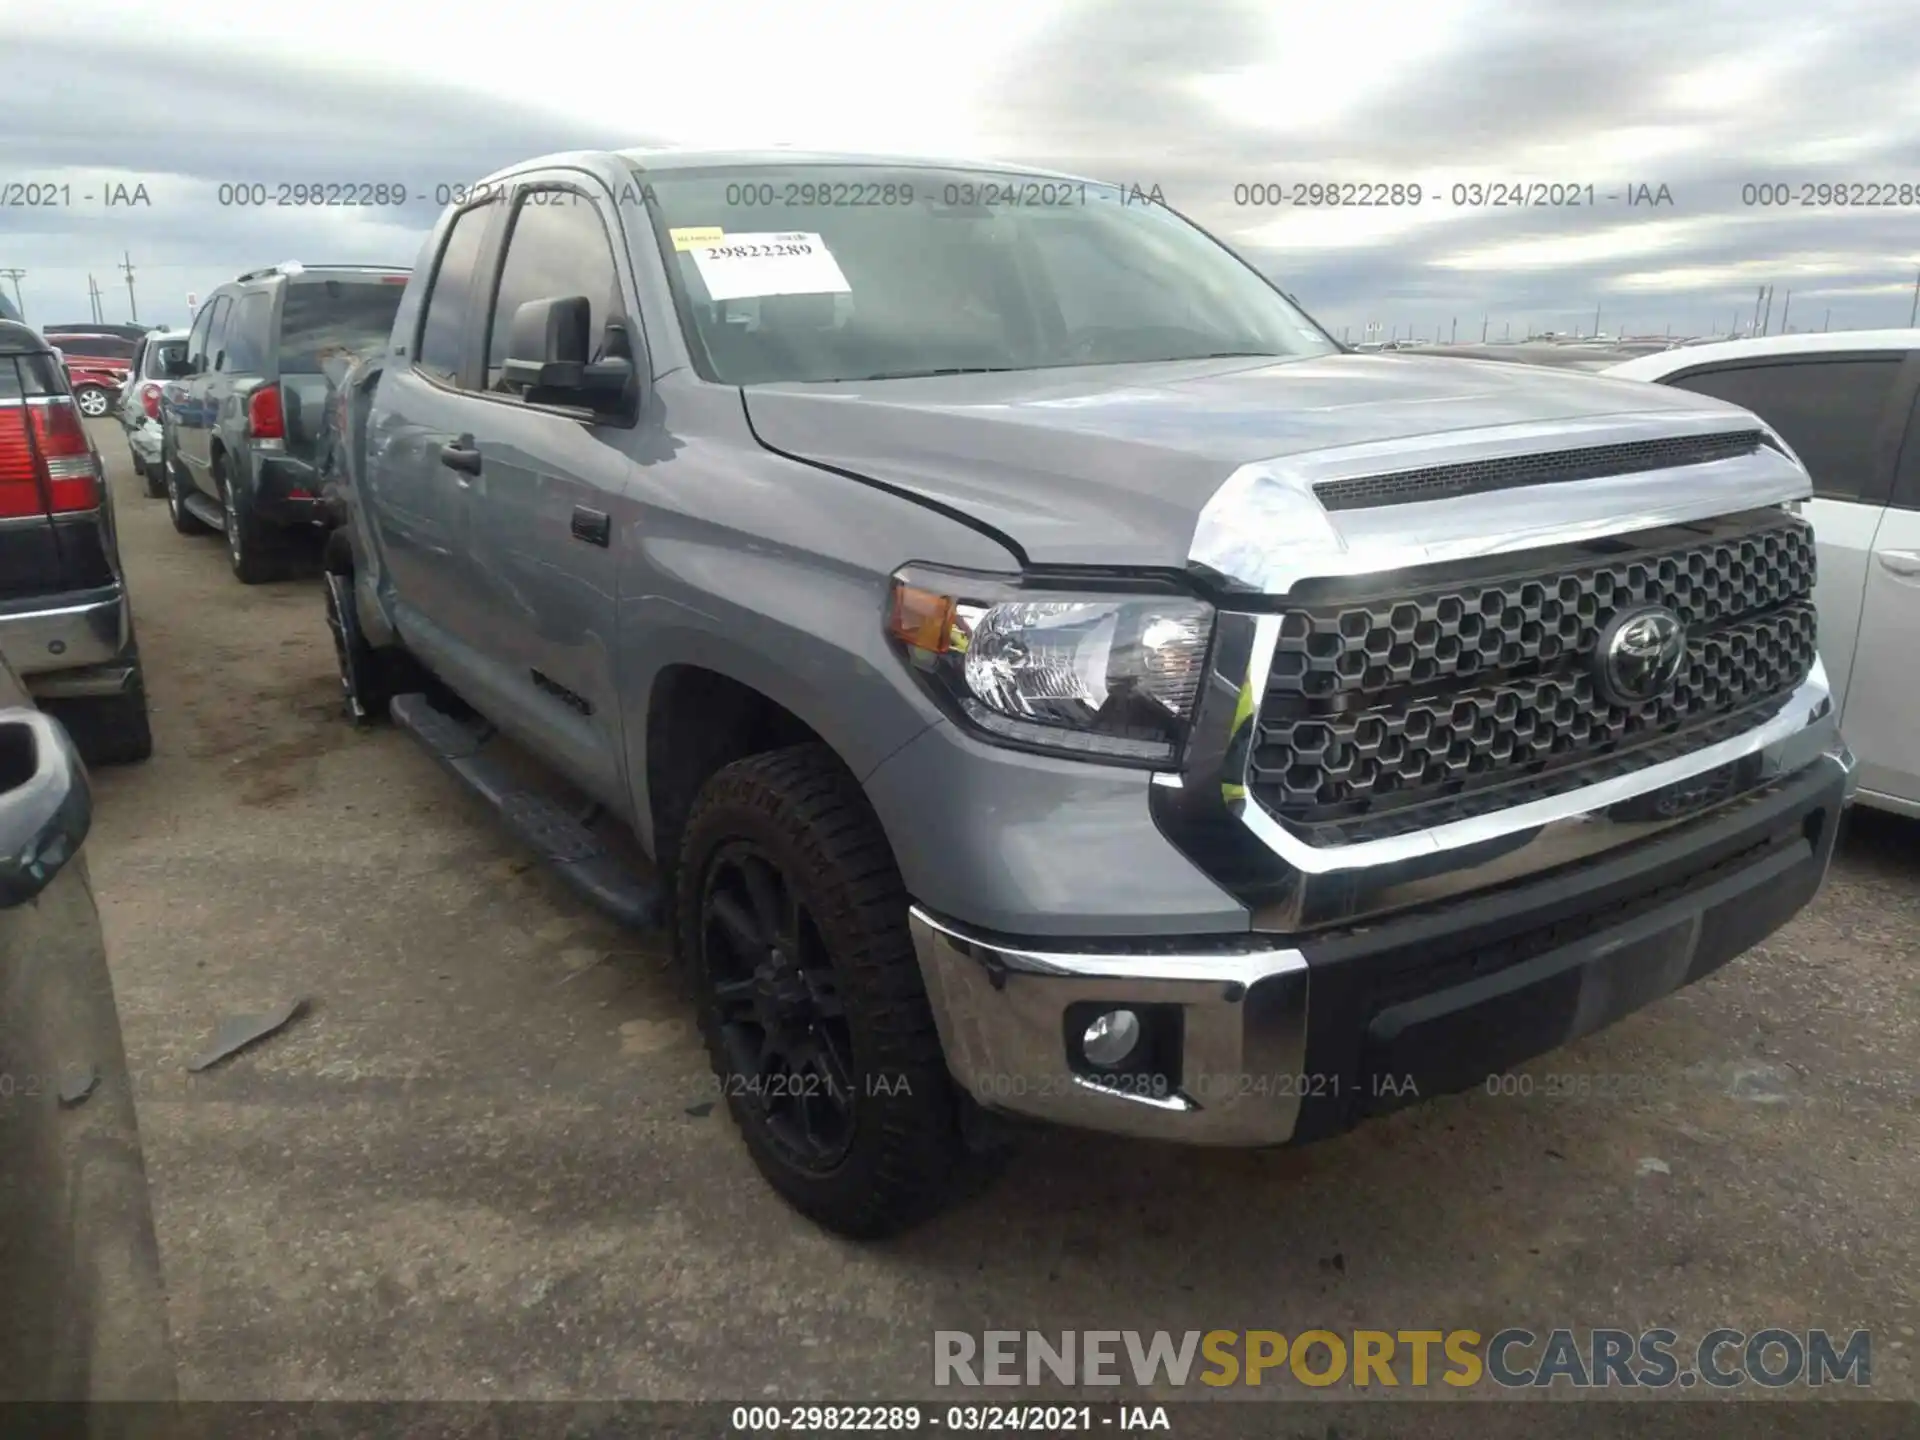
(1848, 403)
(138, 404)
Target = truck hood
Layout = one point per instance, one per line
(1116, 465)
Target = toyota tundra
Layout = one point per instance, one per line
(1049, 674)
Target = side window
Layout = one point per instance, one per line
(443, 328)
(246, 340)
(217, 333)
(557, 247)
(197, 356)
(1829, 411)
(1906, 483)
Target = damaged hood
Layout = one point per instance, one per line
(1116, 465)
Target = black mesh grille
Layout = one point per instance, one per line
(1387, 714)
(1476, 477)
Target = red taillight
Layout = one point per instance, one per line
(73, 476)
(46, 464)
(19, 476)
(264, 420)
(150, 400)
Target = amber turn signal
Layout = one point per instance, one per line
(920, 618)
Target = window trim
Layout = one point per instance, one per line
(517, 189)
(462, 382)
(1883, 451)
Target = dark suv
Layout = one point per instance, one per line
(65, 624)
(242, 421)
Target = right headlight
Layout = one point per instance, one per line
(1094, 674)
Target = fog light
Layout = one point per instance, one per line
(1111, 1037)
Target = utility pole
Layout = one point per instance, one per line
(1824, 319)
(1454, 338)
(1758, 296)
(1785, 307)
(1596, 323)
(1485, 320)
(1344, 329)
(1766, 319)
(1506, 330)
(16, 276)
(93, 298)
(133, 305)
(1914, 313)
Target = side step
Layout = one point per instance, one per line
(206, 511)
(544, 826)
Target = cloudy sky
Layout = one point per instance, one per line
(168, 103)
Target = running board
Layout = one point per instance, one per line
(204, 510)
(545, 827)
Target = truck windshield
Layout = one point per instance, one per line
(825, 273)
(325, 325)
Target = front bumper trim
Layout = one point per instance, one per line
(999, 1007)
(1289, 1038)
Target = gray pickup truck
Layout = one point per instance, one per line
(1048, 673)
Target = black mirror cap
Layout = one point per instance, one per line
(549, 336)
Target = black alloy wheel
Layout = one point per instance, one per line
(778, 1006)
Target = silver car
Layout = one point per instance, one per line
(1846, 402)
(138, 404)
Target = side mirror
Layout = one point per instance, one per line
(547, 349)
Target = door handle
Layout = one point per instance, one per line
(461, 455)
(1904, 563)
(46, 807)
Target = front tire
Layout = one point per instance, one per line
(791, 916)
(92, 401)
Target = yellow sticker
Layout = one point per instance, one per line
(695, 237)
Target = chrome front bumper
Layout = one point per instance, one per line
(1275, 1027)
(85, 629)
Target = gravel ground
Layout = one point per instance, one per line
(482, 1165)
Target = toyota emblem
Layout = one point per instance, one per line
(1640, 654)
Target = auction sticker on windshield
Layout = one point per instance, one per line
(753, 264)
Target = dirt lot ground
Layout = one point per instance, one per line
(483, 1165)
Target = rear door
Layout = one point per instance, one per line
(542, 571)
(1883, 710)
(326, 323)
(418, 503)
(1842, 415)
(193, 416)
